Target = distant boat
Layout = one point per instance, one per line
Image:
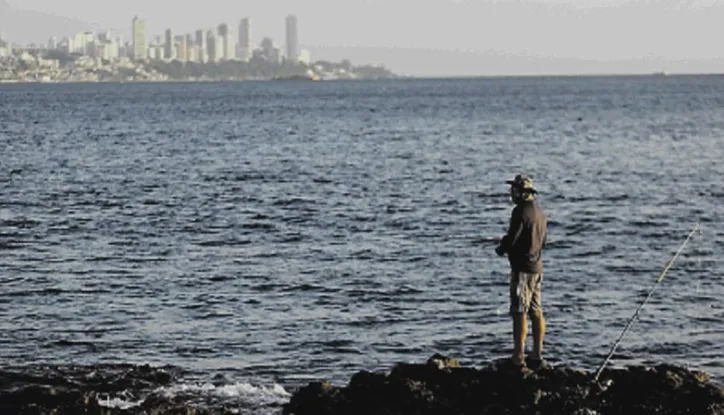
(662, 73)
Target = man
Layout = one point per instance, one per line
(523, 243)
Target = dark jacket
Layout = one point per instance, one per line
(526, 238)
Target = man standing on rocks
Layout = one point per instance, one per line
(523, 243)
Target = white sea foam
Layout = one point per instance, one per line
(118, 402)
(246, 397)
(241, 393)
(245, 391)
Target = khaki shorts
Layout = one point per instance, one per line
(525, 293)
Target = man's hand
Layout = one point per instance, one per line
(499, 250)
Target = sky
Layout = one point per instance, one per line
(429, 37)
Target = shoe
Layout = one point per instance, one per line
(515, 362)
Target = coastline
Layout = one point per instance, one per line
(181, 81)
(392, 77)
(57, 67)
(440, 386)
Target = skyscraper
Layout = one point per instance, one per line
(230, 44)
(292, 39)
(139, 39)
(201, 44)
(223, 43)
(181, 46)
(245, 39)
(169, 46)
(212, 46)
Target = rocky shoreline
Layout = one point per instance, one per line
(439, 386)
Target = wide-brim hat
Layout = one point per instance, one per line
(523, 182)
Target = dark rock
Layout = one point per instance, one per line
(441, 386)
(78, 389)
(320, 394)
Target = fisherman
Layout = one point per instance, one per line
(523, 243)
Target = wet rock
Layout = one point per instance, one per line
(441, 386)
(112, 390)
(43, 390)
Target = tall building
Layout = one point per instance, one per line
(223, 42)
(245, 48)
(229, 47)
(193, 52)
(170, 45)
(292, 39)
(182, 53)
(212, 47)
(201, 45)
(84, 43)
(139, 39)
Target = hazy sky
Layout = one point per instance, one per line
(677, 33)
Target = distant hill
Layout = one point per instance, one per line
(24, 26)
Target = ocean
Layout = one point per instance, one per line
(261, 235)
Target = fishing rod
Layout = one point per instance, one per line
(638, 310)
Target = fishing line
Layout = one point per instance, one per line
(638, 310)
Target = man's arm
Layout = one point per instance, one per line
(514, 230)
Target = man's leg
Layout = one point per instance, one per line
(520, 331)
(536, 317)
(539, 330)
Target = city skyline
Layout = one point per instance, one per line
(222, 44)
(168, 32)
(207, 54)
(446, 37)
(212, 45)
